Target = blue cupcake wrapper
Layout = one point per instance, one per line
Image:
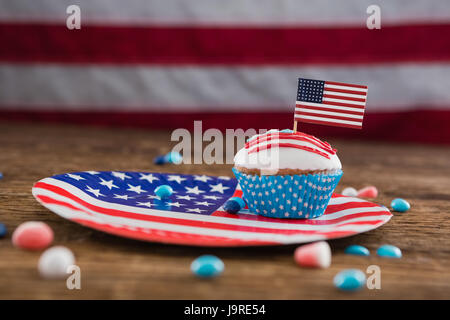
(288, 196)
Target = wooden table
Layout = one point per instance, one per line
(116, 268)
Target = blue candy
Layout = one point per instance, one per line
(164, 191)
(3, 230)
(1, 175)
(350, 280)
(400, 205)
(174, 157)
(234, 204)
(159, 160)
(171, 157)
(389, 251)
(207, 266)
(287, 131)
(357, 250)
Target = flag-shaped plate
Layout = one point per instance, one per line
(124, 204)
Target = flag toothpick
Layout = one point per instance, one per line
(330, 103)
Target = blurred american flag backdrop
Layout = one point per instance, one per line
(234, 63)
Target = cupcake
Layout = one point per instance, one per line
(286, 174)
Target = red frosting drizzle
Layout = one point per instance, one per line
(324, 148)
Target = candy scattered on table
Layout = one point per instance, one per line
(350, 280)
(400, 205)
(54, 262)
(357, 250)
(32, 235)
(313, 255)
(234, 204)
(389, 251)
(207, 266)
(159, 160)
(3, 230)
(368, 192)
(350, 192)
(164, 191)
(174, 157)
(171, 157)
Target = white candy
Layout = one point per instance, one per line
(350, 192)
(54, 262)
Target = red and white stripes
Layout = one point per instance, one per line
(161, 65)
(344, 216)
(295, 140)
(342, 105)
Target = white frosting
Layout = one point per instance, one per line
(271, 160)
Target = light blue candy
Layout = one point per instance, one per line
(207, 266)
(174, 157)
(389, 251)
(287, 131)
(400, 205)
(164, 191)
(357, 250)
(350, 280)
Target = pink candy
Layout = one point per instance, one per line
(32, 235)
(314, 255)
(368, 192)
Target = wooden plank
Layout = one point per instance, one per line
(113, 267)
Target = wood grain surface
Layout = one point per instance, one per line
(116, 268)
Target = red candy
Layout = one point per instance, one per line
(368, 192)
(32, 235)
(314, 255)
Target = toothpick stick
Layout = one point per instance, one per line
(295, 126)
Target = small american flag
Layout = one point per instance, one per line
(331, 103)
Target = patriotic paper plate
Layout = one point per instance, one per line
(124, 204)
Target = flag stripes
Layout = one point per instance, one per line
(329, 102)
(105, 44)
(129, 62)
(344, 216)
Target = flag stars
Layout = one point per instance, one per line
(75, 176)
(122, 176)
(194, 190)
(175, 204)
(136, 189)
(92, 172)
(108, 184)
(148, 177)
(197, 210)
(202, 178)
(212, 197)
(178, 179)
(186, 197)
(95, 192)
(123, 197)
(218, 188)
(145, 204)
(203, 203)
